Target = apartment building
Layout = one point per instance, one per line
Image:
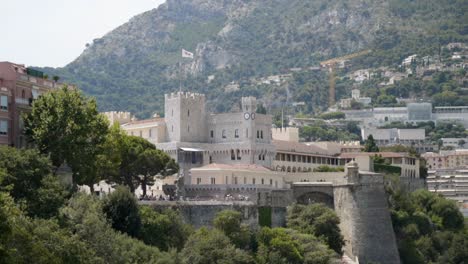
(19, 86)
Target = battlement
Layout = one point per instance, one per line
(118, 116)
(184, 95)
(286, 134)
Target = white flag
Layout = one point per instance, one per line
(187, 54)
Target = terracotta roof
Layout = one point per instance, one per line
(251, 167)
(288, 146)
(350, 155)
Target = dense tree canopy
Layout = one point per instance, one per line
(288, 246)
(317, 220)
(27, 177)
(164, 230)
(207, 246)
(121, 209)
(138, 161)
(429, 228)
(68, 127)
(230, 222)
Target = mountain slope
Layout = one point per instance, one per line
(236, 40)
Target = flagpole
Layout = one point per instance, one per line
(180, 75)
(185, 54)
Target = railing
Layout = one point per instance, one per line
(22, 101)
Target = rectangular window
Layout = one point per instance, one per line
(3, 127)
(150, 132)
(213, 180)
(253, 181)
(198, 180)
(211, 133)
(258, 134)
(3, 102)
(141, 133)
(224, 133)
(236, 133)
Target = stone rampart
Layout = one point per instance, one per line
(202, 213)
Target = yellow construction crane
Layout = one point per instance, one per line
(331, 66)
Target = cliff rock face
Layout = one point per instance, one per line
(132, 67)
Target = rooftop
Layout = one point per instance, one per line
(217, 166)
(145, 121)
(351, 155)
(289, 146)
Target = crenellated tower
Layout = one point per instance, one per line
(185, 117)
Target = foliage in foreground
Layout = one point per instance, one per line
(317, 220)
(429, 228)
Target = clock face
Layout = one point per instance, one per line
(252, 116)
(246, 116)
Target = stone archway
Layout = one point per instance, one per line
(316, 197)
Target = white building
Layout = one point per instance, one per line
(451, 183)
(455, 142)
(195, 138)
(408, 60)
(414, 137)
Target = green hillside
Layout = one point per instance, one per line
(243, 40)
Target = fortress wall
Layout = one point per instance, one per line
(201, 213)
(365, 221)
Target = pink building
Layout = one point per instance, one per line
(19, 86)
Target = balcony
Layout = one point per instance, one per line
(23, 101)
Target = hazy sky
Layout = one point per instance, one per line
(54, 32)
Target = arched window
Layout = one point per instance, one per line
(238, 154)
(224, 133)
(233, 156)
(188, 112)
(263, 181)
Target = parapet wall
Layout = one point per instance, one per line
(286, 134)
(184, 95)
(201, 213)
